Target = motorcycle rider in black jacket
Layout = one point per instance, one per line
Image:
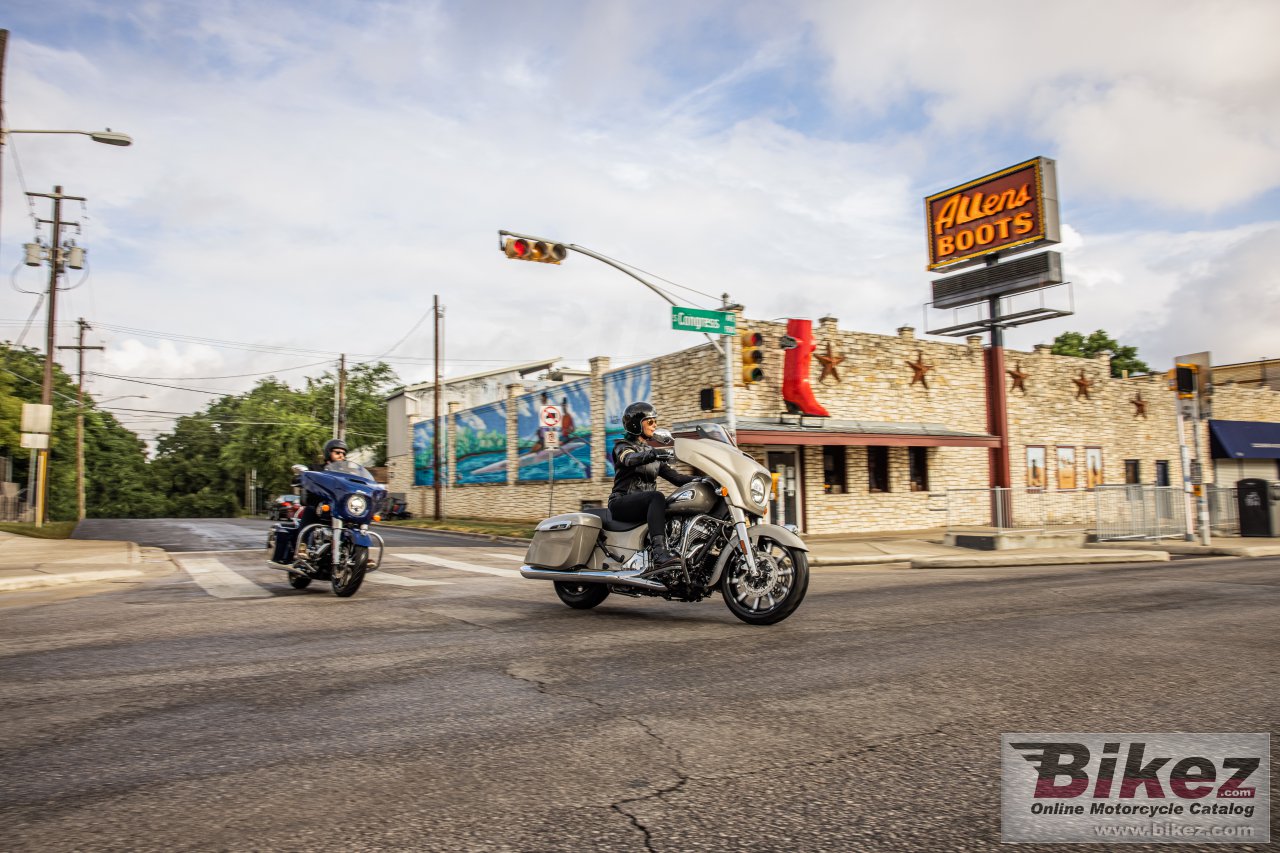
(637, 466)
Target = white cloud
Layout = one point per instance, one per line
(309, 178)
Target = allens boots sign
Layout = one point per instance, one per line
(1013, 209)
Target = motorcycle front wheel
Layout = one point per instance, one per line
(773, 591)
(581, 596)
(348, 576)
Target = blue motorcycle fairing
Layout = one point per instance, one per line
(360, 537)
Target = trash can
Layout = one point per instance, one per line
(1259, 504)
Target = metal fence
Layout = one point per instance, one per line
(1139, 512)
(1224, 511)
(1110, 512)
(1029, 510)
(15, 509)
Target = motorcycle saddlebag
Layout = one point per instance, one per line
(283, 542)
(564, 541)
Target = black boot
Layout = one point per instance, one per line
(663, 557)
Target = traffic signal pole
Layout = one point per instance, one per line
(725, 351)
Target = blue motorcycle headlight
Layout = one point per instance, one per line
(357, 504)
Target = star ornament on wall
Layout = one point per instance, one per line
(829, 363)
(1139, 406)
(1019, 378)
(1083, 385)
(919, 369)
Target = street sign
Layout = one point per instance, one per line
(707, 322)
(37, 417)
(35, 440)
(550, 416)
(551, 441)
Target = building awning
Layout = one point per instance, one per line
(1244, 439)
(794, 429)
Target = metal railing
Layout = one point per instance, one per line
(1224, 510)
(1029, 510)
(15, 509)
(1136, 512)
(1111, 512)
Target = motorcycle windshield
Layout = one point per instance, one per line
(347, 467)
(711, 432)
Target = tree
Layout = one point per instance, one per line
(1122, 358)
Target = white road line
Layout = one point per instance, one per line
(431, 559)
(381, 576)
(516, 557)
(218, 580)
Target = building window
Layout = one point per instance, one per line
(1093, 473)
(1036, 478)
(1162, 472)
(918, 468)
(833, 470)
(1132, 472)
(877, 469)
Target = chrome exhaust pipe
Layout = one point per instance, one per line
(614, 578)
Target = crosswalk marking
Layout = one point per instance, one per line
(218, 580)
(381, 576)
(432, 559)
(516, 557)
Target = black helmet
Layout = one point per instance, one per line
(635, 415)
(333, 444)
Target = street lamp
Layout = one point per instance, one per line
(106, 137)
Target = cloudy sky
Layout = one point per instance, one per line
(305, 176)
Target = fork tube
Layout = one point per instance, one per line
(744, 539)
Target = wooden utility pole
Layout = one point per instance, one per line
(435, 396)
(340, 428)
(80, 479)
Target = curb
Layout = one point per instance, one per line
(819, 562)
(1015, 559)
(32, 581)
(1194, 550)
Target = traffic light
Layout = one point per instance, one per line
(524, 249)
(710, 399)
(1186, 380)
(752, 357)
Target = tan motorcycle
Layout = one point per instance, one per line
(714, 524)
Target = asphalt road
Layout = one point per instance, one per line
(460, 708)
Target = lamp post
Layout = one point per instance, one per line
(107, 137)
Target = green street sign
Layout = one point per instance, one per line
(707, 322)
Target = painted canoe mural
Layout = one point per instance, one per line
(572, 461)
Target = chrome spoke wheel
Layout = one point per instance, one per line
(771, 591)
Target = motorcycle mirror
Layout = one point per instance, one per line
(297, 469)
(663, 436)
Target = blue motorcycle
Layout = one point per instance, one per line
(338, 547)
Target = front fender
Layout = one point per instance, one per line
(755, 533)
(359, 537)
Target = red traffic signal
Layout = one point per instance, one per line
(523, 249)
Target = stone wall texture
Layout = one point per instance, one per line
(1064, 402)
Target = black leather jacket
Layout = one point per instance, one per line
(637, 467)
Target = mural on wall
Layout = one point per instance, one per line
(1066, 467)
(621, 389)
(1093, 467)
(480, 444)
(1035, 468)
(424, 433)
(572, 461)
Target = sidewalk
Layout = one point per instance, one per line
(26, 563)
(923, 549)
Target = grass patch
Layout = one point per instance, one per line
(52, 530)
(521, 529)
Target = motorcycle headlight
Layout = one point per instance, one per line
(357, 504)
(759, 489)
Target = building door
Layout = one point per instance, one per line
(784, 504)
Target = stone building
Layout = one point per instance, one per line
(906, 436)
